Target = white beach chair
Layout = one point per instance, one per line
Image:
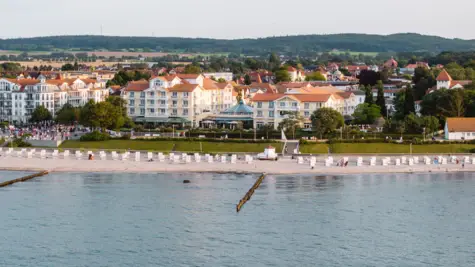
(411, 161)
(398, 162)
(300, 160)
(78, 155)
(233, 159)
(171, 156)
(43, 154)
(149, 156)
(66, 154)
(359, 161)
(55, 154)
(416, 160)
(403, 160)
(114, 155)
(188, 159)
(161, 157)
(223, 159)
(372, 161)
(137, 156)
(444, 161)
(466, 160)
(210, 159)
(102, 155)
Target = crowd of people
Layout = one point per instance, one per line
(42, 131)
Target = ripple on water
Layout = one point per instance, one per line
(153, 219)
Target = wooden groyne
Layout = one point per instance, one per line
(249, 193)
(23, 179)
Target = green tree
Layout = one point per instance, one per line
(40, 113)
(326, 120)
(380, 101)
(76, 66)
(291, 123)
(368, 95)
(366, 113)
(221, 80)
(431, 124)
(282, 75)
(315, 76)
(67, 115)
(247, 79)
(456, 106)
(67, 67)
(409, 101)
(192, 69)
(274, 62)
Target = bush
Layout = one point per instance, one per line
(18, 142)
(95, 136)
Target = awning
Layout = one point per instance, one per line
(221, 119)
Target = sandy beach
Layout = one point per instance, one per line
(283, 166)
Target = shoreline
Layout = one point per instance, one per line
(285, 166)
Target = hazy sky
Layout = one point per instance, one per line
(236, 19)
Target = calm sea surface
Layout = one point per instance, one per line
(156, 220)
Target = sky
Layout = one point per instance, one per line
(226, 19)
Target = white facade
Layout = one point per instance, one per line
(227, 76)
(20, 97)
(460, 129)
(190, 98)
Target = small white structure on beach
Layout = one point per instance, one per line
(269, 154)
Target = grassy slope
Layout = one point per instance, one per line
(166, 146)
(386, 148)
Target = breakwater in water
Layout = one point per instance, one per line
(249, 193)
(23, 179)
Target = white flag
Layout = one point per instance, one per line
(283, 135)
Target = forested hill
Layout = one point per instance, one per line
(406, 42)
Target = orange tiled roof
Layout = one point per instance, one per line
(444, 76)
(137, 86)
(461, 124)
(183, 88)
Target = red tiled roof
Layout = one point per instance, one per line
(183, 88)
(444, 76)
(461, 124)
(188, 76)
(137, 86)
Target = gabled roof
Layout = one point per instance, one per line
(209, 84)
(188, 76)
(184, 87)
(461, 124)
(444, 76)
(223, 85)
(137, 86)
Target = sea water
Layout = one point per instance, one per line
(84, 219)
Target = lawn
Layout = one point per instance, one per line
(314, 148)
(167, 146)
(121, 144)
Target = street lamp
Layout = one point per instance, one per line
(173, 126)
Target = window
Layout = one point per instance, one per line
(259, 113)
(271, 104)
(259, 125)
(294, 104)
(174, 95)
(282, 104)
(163, 94)
(152, 102)
(132, 94)
(142, 102)
(174, 112)
(142, 94)
(162, 102)
(259, 104)
(142, 111)
(306, 113)
(306, 105)
(271, 113)
(185, 94)
(174, 103)
(132, 110)
(152, 110)
(132, 102)
(185, 112)
(307, 125)
(185, 103)
(152, 94)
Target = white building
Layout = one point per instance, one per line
(444, 80)
(227, 76)
(295, 74)
(271, 109)
(460, 129)
(19, 97)
(182, 98)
